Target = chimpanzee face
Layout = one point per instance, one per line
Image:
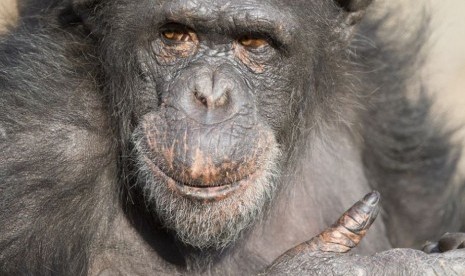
(220, 85)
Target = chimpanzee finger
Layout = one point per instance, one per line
(348, 230)
(451, 241)
(430, 247)
(448, 242)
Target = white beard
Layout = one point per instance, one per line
(212, 225)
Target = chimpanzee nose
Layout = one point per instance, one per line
(213, 90)
(212, 96)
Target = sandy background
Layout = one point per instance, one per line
(7, 12)
(445, 70)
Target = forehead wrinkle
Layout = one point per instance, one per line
(190, 12)
(233, 16)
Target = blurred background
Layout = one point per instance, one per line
(444, 72)
(7, 12)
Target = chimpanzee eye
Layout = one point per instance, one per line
(178, 34)
(253, 42)
(176, 41)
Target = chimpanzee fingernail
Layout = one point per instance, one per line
(372, 198)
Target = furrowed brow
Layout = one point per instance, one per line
(235, 19)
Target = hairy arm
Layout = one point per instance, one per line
(326, 254)
(391, 262)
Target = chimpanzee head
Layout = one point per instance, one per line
(210, 95)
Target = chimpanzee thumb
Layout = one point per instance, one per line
(346, 233)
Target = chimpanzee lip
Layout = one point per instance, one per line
(207, 193)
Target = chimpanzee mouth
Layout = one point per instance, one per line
(203, 193)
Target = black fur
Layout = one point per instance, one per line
(69, 204)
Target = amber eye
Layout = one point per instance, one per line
(178, 35)
(253, 42)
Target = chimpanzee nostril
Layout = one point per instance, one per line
(212, 100)
(201, 98)
(223, 99)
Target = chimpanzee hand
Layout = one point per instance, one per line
(447, 242)
(322, 254)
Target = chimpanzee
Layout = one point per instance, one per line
(158, 137)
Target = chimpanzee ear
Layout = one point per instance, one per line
(85, 10)
(83, 5)
(352, 12)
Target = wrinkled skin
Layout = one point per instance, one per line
(212, 137)
(319, 256)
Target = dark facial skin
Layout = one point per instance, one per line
(218, 137)
(212, 140)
